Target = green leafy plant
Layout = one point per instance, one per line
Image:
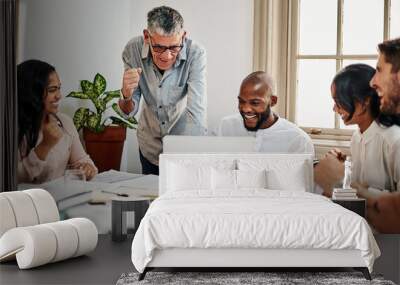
(107, 111)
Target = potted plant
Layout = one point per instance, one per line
(104, 126)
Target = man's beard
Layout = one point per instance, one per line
(263, 117)
(391, 106)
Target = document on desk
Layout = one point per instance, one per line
(137, 185)
(79, 186)
(61, 190)
(113, 176)
(146, 185)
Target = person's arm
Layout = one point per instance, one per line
(130, 91)
(52, 133)
(29, 167)
(364, 191)
(383, 213)
(32, 165)
(338, 153)
(78, 157)
(328, 173)
(194, 120)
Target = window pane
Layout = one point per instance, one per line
(314, 102)
(362, 26)
(318, 26)
(395, 19)
(370, 62)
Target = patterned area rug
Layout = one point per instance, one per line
(225, 278)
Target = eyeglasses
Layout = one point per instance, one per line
(161, 49)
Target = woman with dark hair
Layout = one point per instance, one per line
(47, 140)
(375, 146)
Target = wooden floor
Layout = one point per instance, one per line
(102, 266)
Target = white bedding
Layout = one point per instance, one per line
(251, 218)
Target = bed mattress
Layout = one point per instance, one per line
(251, 219)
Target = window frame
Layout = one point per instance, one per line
(294, 56)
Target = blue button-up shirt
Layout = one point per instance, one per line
(175, 102)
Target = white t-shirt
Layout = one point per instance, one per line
(283, 136)
(376, 157)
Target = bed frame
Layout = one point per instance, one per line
(247, 259)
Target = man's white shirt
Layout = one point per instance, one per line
(282, 137)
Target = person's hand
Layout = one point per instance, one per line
(89, 170)
(328, 172)
(365, 192)
(383, 213)
(52, 132)
(362, 189)
(338, 153)
(130, 81)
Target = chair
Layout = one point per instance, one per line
(31, 231)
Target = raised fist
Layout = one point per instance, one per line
(130, 81)
(52, 132)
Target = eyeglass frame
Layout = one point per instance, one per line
(165, 48)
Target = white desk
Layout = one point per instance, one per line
(100, 214)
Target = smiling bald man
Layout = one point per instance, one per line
(256, 118)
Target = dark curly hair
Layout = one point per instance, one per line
(352, 85)
(32, 81)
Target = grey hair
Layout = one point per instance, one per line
(164, 21)
(261, 77)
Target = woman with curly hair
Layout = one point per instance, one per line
(48, 141)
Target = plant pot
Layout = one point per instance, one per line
(105, 148)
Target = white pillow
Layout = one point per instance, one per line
(223, 179)
(237, 179)
(188, 177)
(281, 174)
(291, 180)
(251, 179)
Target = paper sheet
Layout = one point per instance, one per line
(137, 185)
(112, 176)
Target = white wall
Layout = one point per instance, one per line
(82, 37)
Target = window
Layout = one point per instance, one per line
(331, 35)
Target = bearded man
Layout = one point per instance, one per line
(255, 118)
(383, 212)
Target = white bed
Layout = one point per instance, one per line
(202, 220)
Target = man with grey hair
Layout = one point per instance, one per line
(169, 71)
(255, 118)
